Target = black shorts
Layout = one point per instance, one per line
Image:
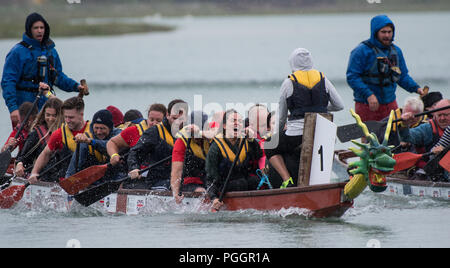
(287, 145)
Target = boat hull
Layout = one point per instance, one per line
(318, 201)
(325, 200)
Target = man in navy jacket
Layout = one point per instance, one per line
(375, 68)
(29, 62)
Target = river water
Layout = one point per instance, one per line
(220, 62)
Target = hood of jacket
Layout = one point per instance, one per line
(300, 59)
(31, 19)
(376, 24)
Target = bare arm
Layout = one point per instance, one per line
(114, 146)
(175, 179)
(40, 163)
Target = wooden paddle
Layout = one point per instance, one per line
(81, 180)
(94, 194)
(5, 156)
(353, 131)
(14, 194)
(84, 178)
(83, 93)
(406, 160)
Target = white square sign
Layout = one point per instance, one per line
(323, 151)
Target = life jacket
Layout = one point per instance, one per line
(67, 136)
(228, 157)
(99, 156)
(309, 95)
(385, 70)
(142, 127)
(45, 72)
(165, 135)
(43, 134)
(437, 133)
(194, 159)
(199, 151)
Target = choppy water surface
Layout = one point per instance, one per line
(237, 60)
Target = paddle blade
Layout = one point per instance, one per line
(5, 159)
(11, 196)
(349, 132)
(405, 161)
(83, 179)
(96, 193)
(445, 161)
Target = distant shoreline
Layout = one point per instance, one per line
(59, 14)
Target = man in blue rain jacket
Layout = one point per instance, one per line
(375, 68)
(32, 61)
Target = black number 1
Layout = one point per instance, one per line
(321, 157)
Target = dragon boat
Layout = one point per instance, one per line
(316, 194)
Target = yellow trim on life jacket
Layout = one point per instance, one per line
(398, 115)
(199, 151)
(307, 78)
(227, 152)
(164, 134)
(142, 127)
(100, 157)
(68, 138)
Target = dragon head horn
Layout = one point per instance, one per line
(388, 128)
(369, 136)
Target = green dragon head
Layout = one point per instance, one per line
(375, 159)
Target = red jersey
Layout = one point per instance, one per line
(56, 140)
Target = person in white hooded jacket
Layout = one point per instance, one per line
(305, 90)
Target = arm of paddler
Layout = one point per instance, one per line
(179, 150)
(212, 171)
(140, 152)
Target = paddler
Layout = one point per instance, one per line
(306, 90)
(222, 153)
(189, 155)
(425, 135)
(92, 144)
(63, 141)
(47, 121)
(130, 136)
(30, 62)
(12, 142)
(155, 144)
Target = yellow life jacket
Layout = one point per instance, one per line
(398, 115)
(142, 127)
(307, 78)
(164, 134)
(68, 138)
(199, 151)
(100, 157)
(226, 151)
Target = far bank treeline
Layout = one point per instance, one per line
(66, 16)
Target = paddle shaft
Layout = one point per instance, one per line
(24, 121)
(222, 193)
(424, 113)
(90, 196)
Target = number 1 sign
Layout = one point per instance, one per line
(323, 151)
